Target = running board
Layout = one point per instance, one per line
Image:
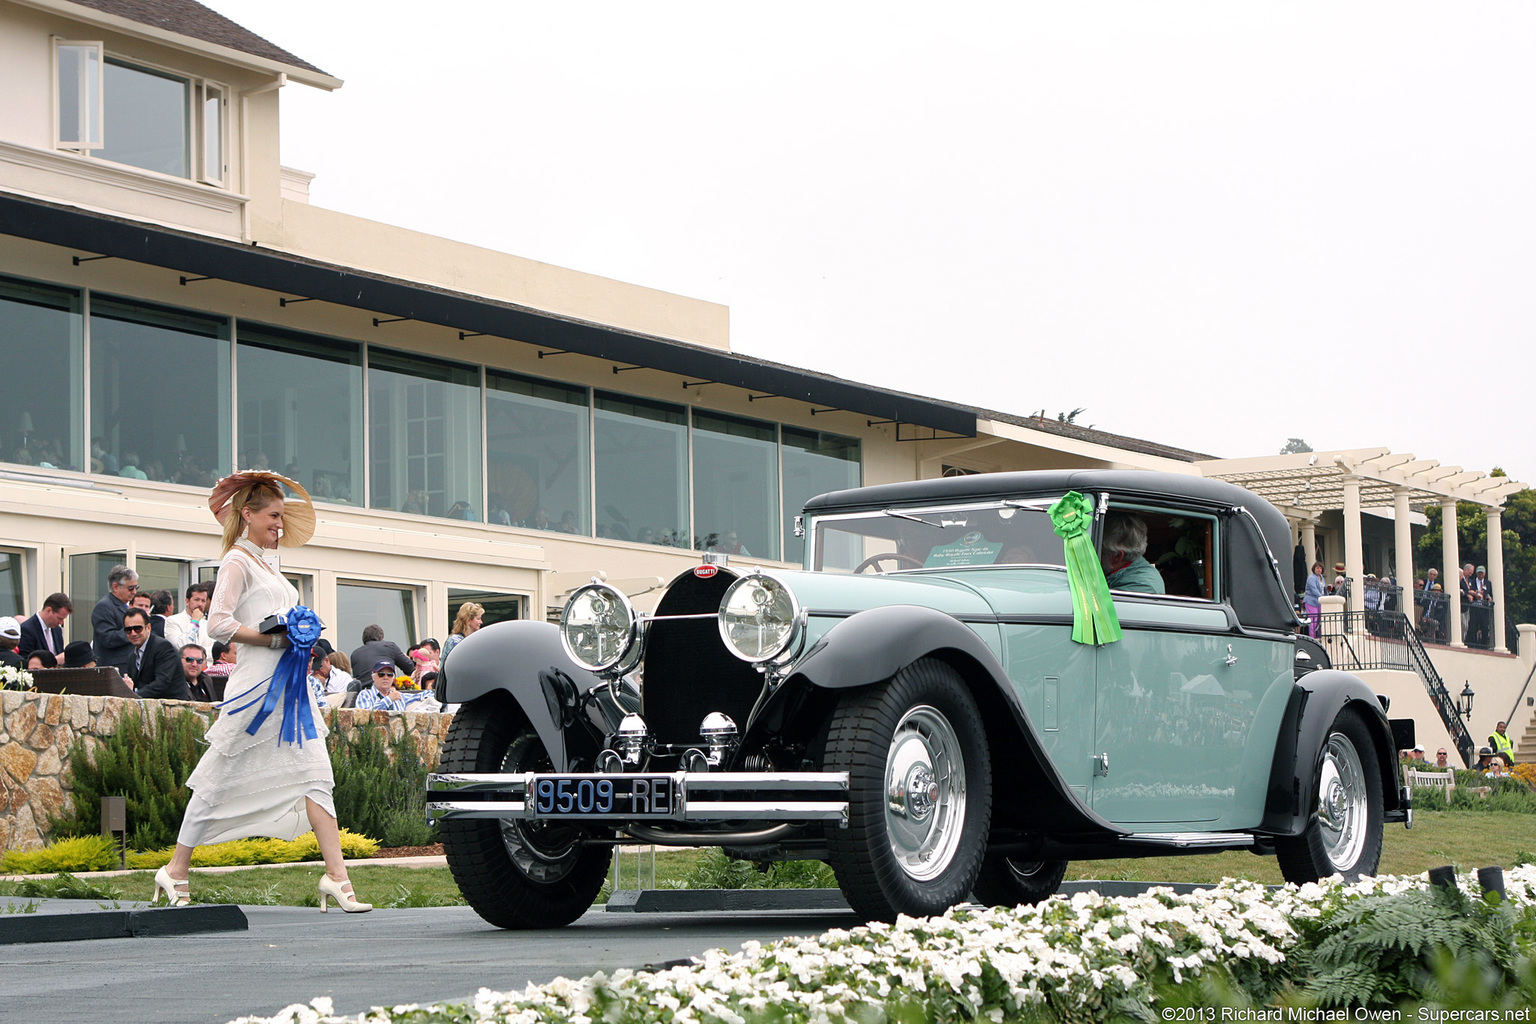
(1190, 840)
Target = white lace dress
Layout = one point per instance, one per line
(249, 785)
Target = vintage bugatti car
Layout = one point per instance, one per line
(912, 709)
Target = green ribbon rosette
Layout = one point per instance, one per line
(1093, 612)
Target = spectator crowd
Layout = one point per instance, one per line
(160, 653)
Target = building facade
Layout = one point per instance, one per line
(472, 425)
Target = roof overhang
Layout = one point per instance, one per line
(289, 275)
(1307, 483)
(225, 54)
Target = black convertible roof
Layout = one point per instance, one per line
(1119, 483)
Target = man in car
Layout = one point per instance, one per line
(1123, 555)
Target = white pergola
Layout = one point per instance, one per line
(1305, 484)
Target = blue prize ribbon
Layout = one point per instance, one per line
(289, 684)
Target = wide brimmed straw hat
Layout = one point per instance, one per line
(298, 507)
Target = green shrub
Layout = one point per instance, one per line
(1429, 798)
(149, 758)
(259, 851)
(376, 796)
(67, 887)
(84, 853)
(1385, 949)
(147, 761)
(717, 871)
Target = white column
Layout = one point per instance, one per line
(1496, 575)
(1450, 576)
(1353, 546)
(1403, 532)
(1309, 542)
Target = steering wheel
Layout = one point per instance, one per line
(873, 561)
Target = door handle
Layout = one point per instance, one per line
(1231, 658)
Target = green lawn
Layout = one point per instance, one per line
(1466, 840)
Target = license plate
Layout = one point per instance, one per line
(590, 796)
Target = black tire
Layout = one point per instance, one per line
(1344, 835)
(514, 873)
(1009, 882)
(920, 726)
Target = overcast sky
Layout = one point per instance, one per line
(1213, 225)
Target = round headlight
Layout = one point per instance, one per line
(759, 617)
(598, 627)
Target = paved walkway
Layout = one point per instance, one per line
(387, 957)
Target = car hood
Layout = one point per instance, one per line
(981, 591)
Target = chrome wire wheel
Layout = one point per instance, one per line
(925, 793)
(1342, 803)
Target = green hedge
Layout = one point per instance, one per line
(148, 759)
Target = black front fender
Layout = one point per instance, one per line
(875, 644)
(526, 660)
(1316, 700)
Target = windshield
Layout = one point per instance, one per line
(995, 533)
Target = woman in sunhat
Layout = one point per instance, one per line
(266, 771)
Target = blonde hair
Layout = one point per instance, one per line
(255, 497)
(468, 612)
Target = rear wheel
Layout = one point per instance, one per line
(920, 793)
(514, 873)
(1344, 837)
(1009, 881)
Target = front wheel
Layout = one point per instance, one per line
(1344, 836)
(514, 873)
(920, 793)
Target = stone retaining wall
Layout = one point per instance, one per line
(37, 731)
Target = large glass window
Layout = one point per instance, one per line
(814, 463)
(88, 574)
(12, 594)
(735, 485)
(148, 119)
(642, 470)
(498, 607)
(366, 604)
(301, 410)
(42, 349)
(160, 386)
(424, 436)
(537, 454)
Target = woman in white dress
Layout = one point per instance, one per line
(253, 783)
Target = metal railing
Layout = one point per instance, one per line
(1387, 640)
(1364, 640)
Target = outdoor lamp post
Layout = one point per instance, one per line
(1464, 704)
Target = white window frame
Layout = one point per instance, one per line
(95, 116)
(202, 91)
(199, 90)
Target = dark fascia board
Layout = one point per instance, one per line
(287, 274)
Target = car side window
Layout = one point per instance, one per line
(1181, 546)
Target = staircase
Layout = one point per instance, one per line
(1418, 660)
(1525, 746)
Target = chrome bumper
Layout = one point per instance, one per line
(699, 796)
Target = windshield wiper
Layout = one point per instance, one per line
(908, 515)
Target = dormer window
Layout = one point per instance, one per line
(134, 114)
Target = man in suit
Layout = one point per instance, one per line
(375, 649)
(45, 630)
(107, 637)
(154, 666)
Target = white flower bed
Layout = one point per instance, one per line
(1075, 954)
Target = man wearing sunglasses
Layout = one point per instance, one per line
(107, 636)
(154, 665)
(194, 667)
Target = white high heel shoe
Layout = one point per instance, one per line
(177, 891)
(342, 893)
